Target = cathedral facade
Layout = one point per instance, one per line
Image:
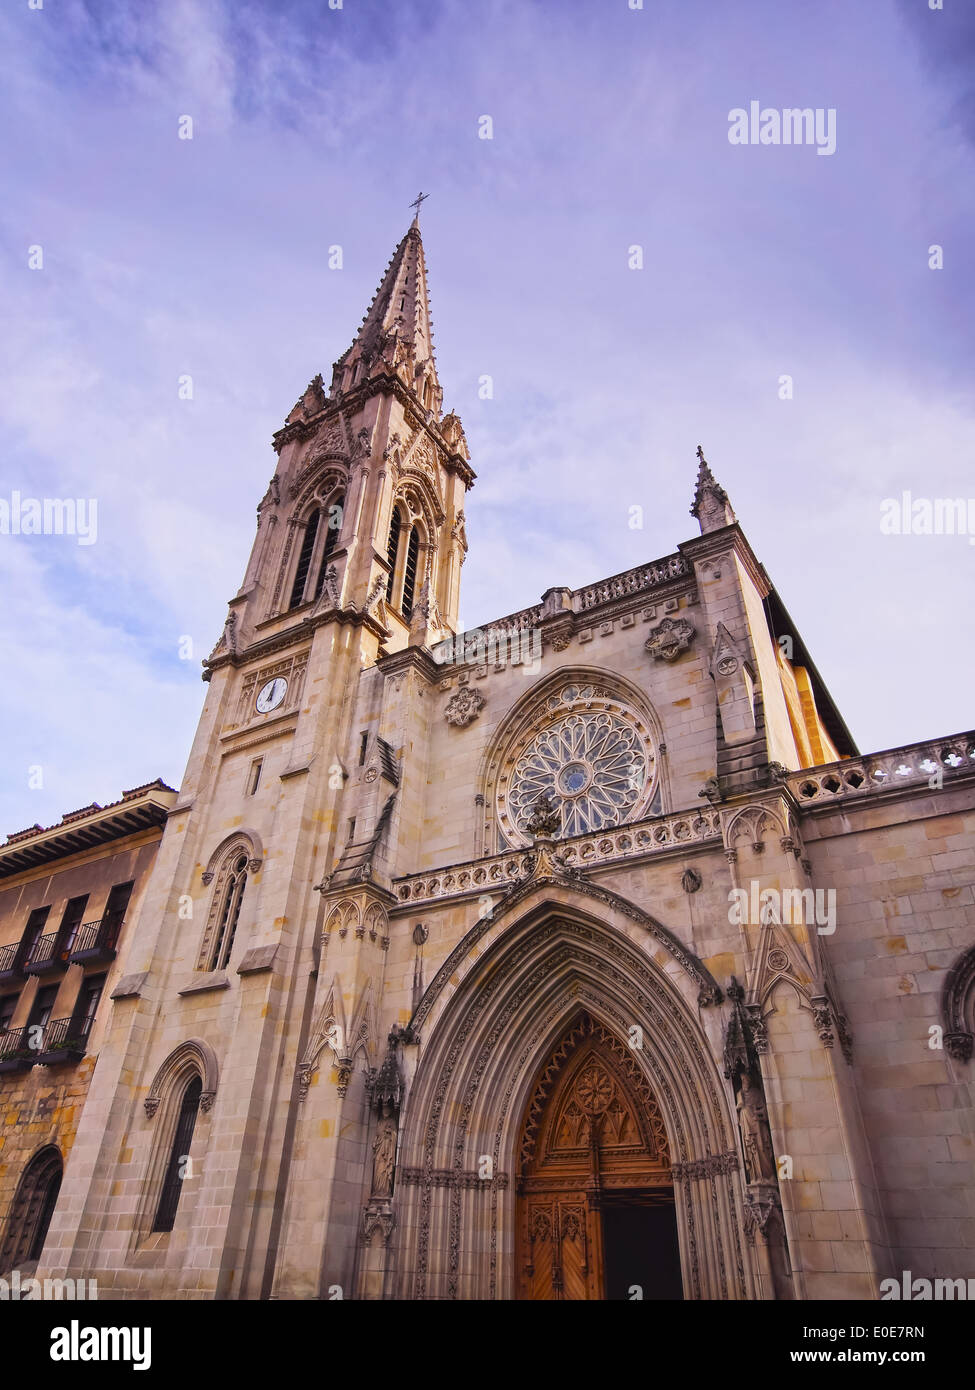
(583, 956)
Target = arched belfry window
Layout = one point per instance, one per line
(304, 560)
(392, 550)
(334, 515)
(409, 573)
(31, 1210)
(177, 1169)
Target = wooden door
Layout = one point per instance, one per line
(592, 1130)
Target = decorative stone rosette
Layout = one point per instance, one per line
(464, 707)
(668, 641)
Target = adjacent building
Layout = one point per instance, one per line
(67, 894)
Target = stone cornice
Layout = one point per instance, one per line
(456, 463)
(368, 888)
(720, 542)
(300, 632)
(410, 658)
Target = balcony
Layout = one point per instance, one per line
(15, 1055)
(45, 956)
(95, 942)
(65, 1040)
(11, 964)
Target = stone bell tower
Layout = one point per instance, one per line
(357, 559)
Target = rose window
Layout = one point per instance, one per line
(595, 766)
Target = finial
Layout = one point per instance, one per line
(422, 197)
(700, 454)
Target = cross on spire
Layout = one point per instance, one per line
(418, 200)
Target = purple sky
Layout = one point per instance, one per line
(315, 127)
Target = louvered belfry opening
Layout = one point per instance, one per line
(409, 573)
(334, 514)
(392, 550)
(304, 560)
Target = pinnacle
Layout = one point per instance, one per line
(710, 506)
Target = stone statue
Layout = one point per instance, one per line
(755, 1137)
(545, 819)
(384, 1158)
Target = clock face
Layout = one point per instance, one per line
(271, 694)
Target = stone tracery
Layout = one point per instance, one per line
(588, 747)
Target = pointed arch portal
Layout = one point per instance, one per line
(564, 1002)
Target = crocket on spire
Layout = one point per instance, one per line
(396, 336)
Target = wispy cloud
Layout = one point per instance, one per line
(207, 257)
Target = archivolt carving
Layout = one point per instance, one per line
(709, 991)
(222, 864)
(419, 466)
(318, 480)
(475, 1077)
(418, 503)
(248, 841)
(958, 1007)
(194, 1057)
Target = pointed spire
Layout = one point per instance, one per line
(396, 335)
(711, 506)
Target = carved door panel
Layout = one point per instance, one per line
(592, 1129)
(559, 1238)
(578, 1279)
(539, 1274)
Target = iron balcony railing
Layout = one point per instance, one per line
(8, 956)
(64, 1037)
(99, 937)
(12, 1042)
(60, 1040)
(43, 951)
